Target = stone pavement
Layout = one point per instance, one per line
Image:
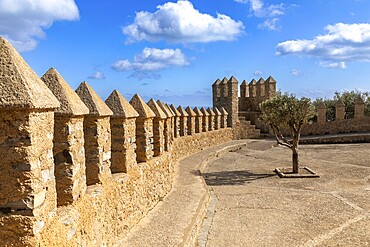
(250, 206)
(176, 220)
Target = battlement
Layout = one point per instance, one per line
(225, 94)
(322, 125)
(78, 171)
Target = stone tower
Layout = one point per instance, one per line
(225, 94)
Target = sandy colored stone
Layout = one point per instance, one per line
(70, 102)
(164, 108)
(20, 87)
(96, 105)
(159, 113)
(69, 159)
(120, 106)
(141, 107)
(158, 128)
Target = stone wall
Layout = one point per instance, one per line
(78, 171)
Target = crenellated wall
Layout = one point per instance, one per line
(243, 110)
(78, 171)
(359, 124)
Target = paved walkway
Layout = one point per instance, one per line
(250, 206)
(176, 220)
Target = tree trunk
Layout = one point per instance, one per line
(295, 161)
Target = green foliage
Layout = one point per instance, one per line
(348, 98)
(286, 110)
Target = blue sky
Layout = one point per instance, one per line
(175, 50)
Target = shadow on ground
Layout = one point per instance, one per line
(232, 177)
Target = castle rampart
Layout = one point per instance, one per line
(78, 171)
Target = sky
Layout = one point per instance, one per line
(175, 50)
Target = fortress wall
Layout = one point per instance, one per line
(78, 171)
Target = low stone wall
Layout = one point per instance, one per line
(351, 125)
(60, 185)
(108, 210)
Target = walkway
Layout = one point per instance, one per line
(176, 220)
(250, 206)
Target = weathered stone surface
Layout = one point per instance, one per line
(340, 110)
(141, 107)
(70, 102)
(27, 183)
(198, 120)
(123, 127)
(158, 127)
(97, 148)
(224, 118)
(183, 121)
(218, 115)
(191, 120)
(120, 106)
(69, 159)
(168, 126)
(123, 144)
(176, 124)
(96, 105)
(159, 113)
(20, 87)
(144, 129)
(205, 120)
(211, 119)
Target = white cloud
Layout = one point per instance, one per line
(23, 21)
(98, 75)
(269, 12)
(295, 72)
(269, 24)
(333, 65)
(152, 59)
(342, 43)
(141, 75)
(180, 22)
(257, 73)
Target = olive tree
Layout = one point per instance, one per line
(286, 112)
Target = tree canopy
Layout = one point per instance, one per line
(348, 98)
(285, 111)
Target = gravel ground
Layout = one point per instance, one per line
(254, 207)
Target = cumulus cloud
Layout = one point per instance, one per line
(270, 12)
(180, 22)
(343, 43)
(98, 75)
(22, 22)
(152, 59)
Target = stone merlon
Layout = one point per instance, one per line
(141, 107)
(92, 100)
(270, 79)
(165, 109)
(20, 86)
(120, 106)
(175, 111)
(198, 112)
(190, 112)
(159, 113)
(182, 111)
(70, 103)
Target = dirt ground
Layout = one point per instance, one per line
(251, 206)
